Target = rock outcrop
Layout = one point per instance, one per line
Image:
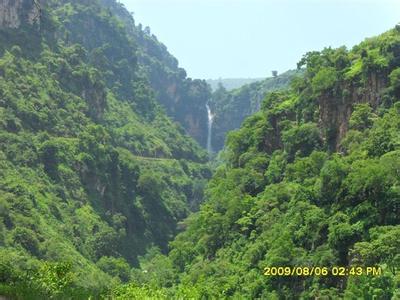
(14, 13)
(335, 111)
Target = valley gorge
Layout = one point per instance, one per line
(123, 178)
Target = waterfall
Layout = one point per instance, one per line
(209, 133)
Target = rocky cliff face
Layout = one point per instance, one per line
(183, 98)
(335, 112)
(232, 107)
(14, 13)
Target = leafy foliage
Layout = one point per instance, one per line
(304, 182)
(93, 172)
(96, 180)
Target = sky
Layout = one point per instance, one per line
(250, 38)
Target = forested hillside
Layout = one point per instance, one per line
(92, 171)
(184, 99)
(231, 107)
(105, 195)
(310, 180)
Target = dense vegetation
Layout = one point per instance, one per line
(183, 98)
(95, 179)
(92, 171)
(310, 180)
(231, 107)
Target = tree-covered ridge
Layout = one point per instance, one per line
(123, 45)
(92, 171)
(231, 107)
(310, 180)
(183, 98)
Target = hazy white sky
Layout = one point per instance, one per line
(249, 38)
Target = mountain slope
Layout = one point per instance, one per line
(183, 98)
(230, 108)
(93, 172)
(311, 180)
(95, 179)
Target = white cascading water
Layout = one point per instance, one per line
(209, 134)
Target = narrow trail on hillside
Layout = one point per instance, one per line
(154, 158)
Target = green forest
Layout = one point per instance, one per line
(231, 107)
(107, 190)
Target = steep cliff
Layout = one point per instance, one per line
(14, 13)
(335, 110)
(230, 108)
(350, 78)
(183, 98)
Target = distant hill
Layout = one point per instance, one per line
(231, 107)
(231, 83)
